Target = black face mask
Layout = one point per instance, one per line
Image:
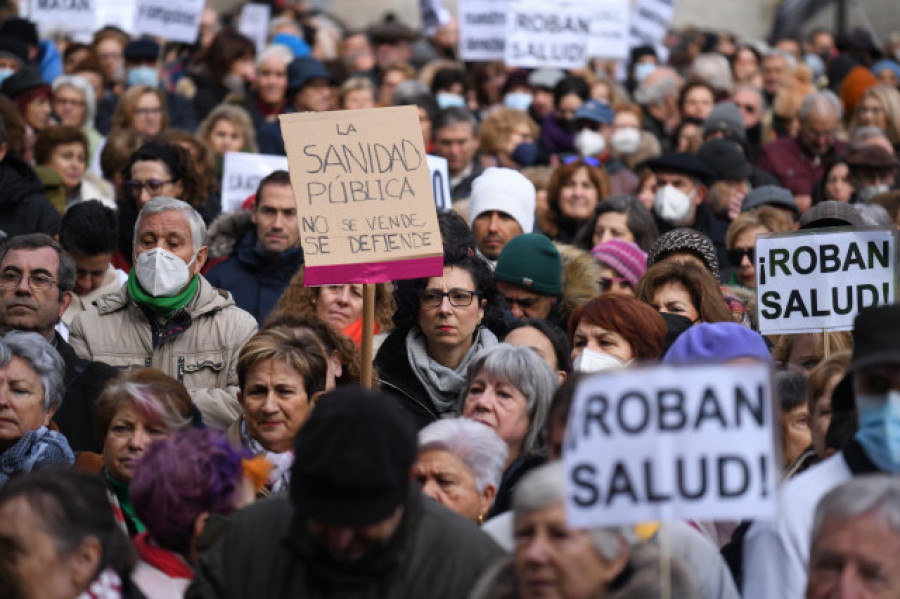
(780, 125)
(567, 125)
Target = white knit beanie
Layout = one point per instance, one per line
(505, 190)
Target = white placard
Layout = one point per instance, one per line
(241, 173)
(482, 29)
(815, 280)
(255, 24)
(119, 13)
(440, 182)
(173, 20)
(609, 29)
(671, 442)
(62, 15)
(649, 23)
(434, 15)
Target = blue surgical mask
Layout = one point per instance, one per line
(642, 69)
(518, 100)
(142, 76)
(526, 154)
(448, 100)
(879, 428)
(4, 73)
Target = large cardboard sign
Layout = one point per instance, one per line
(173, 20)
(821, 279)
(649, 24)
(667, 442)
(241, 174)
(254, 23)
(440, 182)
(63, 15)
(482, 29)
(364, 195)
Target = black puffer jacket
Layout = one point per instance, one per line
(23, 207)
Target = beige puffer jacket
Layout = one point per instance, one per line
(203, 358)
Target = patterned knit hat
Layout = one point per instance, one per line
(624, 257)
(685, 240)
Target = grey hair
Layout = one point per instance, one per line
(875, 215)
(275, 51)
(877, 493)
(545, 486)
(279, 22)
(162, 204)
(528, 373)
(41, 357)
(751, 88)
(86, 89)
(714, 69)
(789, 58)
(452, 116)
(861, 136)
(647, 95)
(477, 445)
(814, 102)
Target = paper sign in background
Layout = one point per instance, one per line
(241, 174)
(172, 20)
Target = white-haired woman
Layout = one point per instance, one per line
(552, 559)
(509, 389)
(75, 106)
(460, 465)
(270, 87)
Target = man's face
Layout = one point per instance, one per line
(492, 230)
(818, 132)
(542, 101)
(774, 70)
(854, 558)
(89, 271)
(750, 105)
(275, 218)
(525, 304)
(170, 230)
(353, 543)
(24, 308)
(315, 96)
(456, 143)
(725, 197)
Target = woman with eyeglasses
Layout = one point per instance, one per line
(441, 326)
(575, 190)
(142, 108)
(740, 241)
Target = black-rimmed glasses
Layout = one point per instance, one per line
(459, 298)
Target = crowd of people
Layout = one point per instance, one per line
(180, 415)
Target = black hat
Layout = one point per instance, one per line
(876, 340)
(831, 213)
(23, 29)
(352, 458)
(302, 70)
(391, 32)
(871, 157)
(142, 49)
(681, 163)
(769, 195)
(726, 159)
(13, 47)
(21, 81)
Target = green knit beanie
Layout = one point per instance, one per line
(532, 262)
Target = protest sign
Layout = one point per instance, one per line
(255, 24)
(434, 15)
(820, 279)
(119, 13)
(666, 442)
(363, 192)
(440, 182)
(609, 29)
(482, 29)
(173, 20)
(63, 15)
(241, 174)
(649, 24)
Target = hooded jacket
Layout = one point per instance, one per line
(23, 207)
(256, 280)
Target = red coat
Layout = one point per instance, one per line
(792, 166)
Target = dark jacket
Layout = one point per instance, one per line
(463, 188)
(23, 207)
(255, 280)
(397, 378)
(268, 552)
(77, 416)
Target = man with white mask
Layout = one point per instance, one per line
(681, 186)
(167, 316)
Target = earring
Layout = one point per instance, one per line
(481, 518)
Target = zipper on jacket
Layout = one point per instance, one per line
(181, 369)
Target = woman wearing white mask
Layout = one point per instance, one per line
(628, 142)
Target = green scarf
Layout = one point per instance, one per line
(167, 306)
(121, 490)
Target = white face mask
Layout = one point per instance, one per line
(626, 141)
(589, 143)
(161, 273)
(517, 100)
(595, 361)
(673, 205)
(642, 69)
(870, 191)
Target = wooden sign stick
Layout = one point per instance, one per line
(368, 325)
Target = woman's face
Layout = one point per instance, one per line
(21, 402)
(838, 185)
(820, 419)
(244, 68)
(519, 135)
(578, 197)
(37, 113)
(674, 298)
(130, 434)
(225, 136)
(340, 305)
(147, 117)
(795, 432)
(69, 105)
(275, 404)
(156, 181)
(554, 561)
(746, 242)
(446, 326)
(690, 138)
(647, 192)
(596, 338)
(612, 225)
(871, 114)
(499, 404)
(806, 353)
(359, 98)
(70, 162)
(449, 481)
(567, 106)
(271, 81)
(112, 58)
(698, 103)
(612, 281)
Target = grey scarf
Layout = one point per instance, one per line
(444, 385)
(36, 449)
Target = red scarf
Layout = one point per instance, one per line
(169, 563)
(354, 331)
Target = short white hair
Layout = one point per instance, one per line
(280, 51)
(475, 444)
(87, 90)
(162, 204)
(714, 69)
(876, 493)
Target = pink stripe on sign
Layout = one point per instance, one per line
(374, 272)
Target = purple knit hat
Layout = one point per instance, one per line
(624, 257)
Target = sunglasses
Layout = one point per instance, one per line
(736, 255)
